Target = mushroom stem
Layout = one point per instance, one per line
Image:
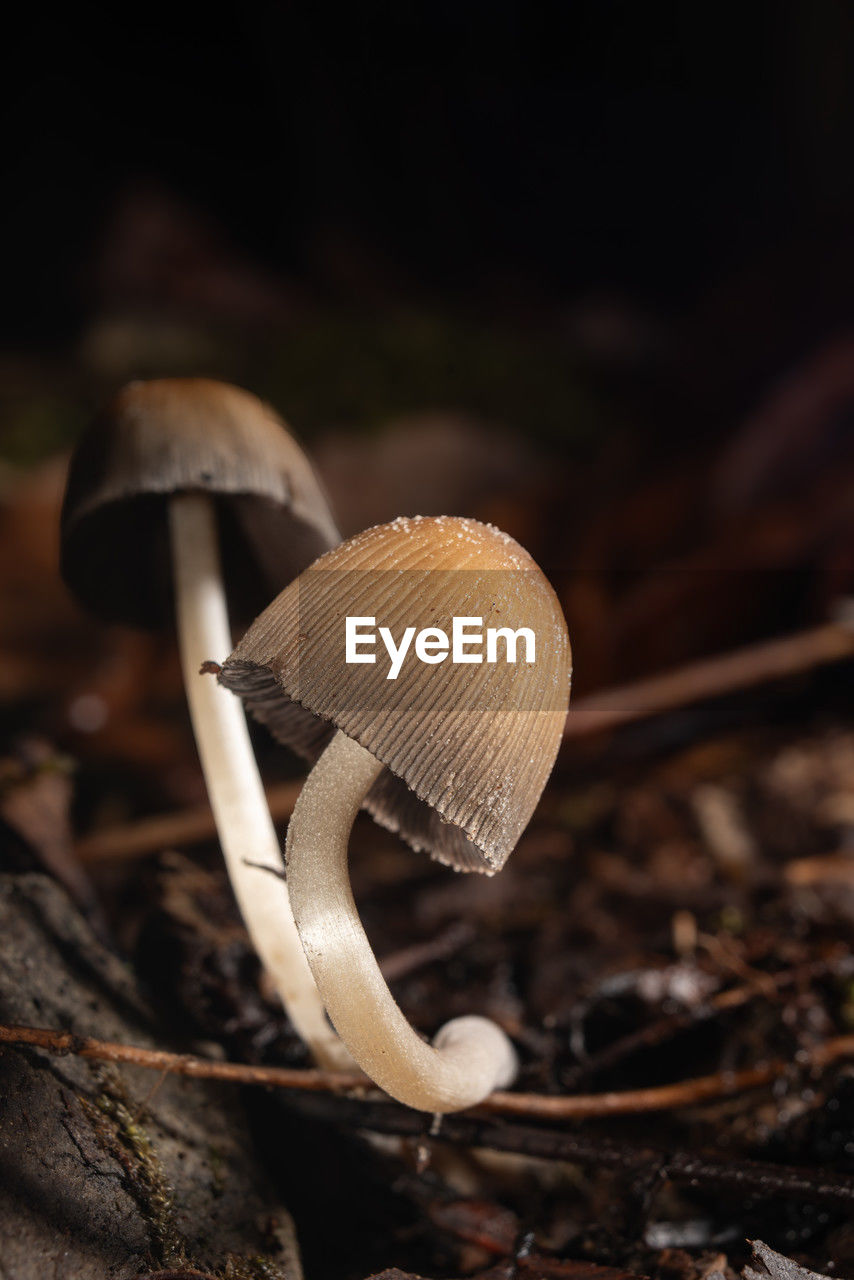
(247, 836)
(470, 1056)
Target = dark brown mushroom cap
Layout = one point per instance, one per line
(187, 435)
(467, 748)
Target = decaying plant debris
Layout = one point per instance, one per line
(650, 956)
(680, 911)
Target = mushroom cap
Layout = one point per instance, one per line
(467, 748)
(187, 435)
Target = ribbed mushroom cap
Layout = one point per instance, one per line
(467, 748)
(187, 435)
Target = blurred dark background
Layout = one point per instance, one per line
(508, 156)
(585, 269)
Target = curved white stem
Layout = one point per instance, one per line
(247, 836)
(470, 1056)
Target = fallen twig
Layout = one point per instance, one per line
(171, 830)
(531, 1105)
(477, 1129)
(710, 678)
(181, 1064)
(708, 1169)
(662, 1029)
(828, 868)
(410, 959)
(665, 1097)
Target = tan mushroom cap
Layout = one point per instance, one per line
(187, 435)
(467, 748)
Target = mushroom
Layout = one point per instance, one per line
(446, 747)
(172, 471)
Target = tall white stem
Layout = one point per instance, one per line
(247, 836)
(470, 1056)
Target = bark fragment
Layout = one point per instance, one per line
(101, 1174)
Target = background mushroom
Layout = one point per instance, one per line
(453, 756)
(173, 471)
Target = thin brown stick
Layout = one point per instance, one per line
(711, 678)
(721, 1172)
(171, 830)
(181, 1064)
(657, 1032)
(410, 959)
(704, 1169)
(532, 1105)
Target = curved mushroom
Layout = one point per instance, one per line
(452, 754)
(173, 471)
